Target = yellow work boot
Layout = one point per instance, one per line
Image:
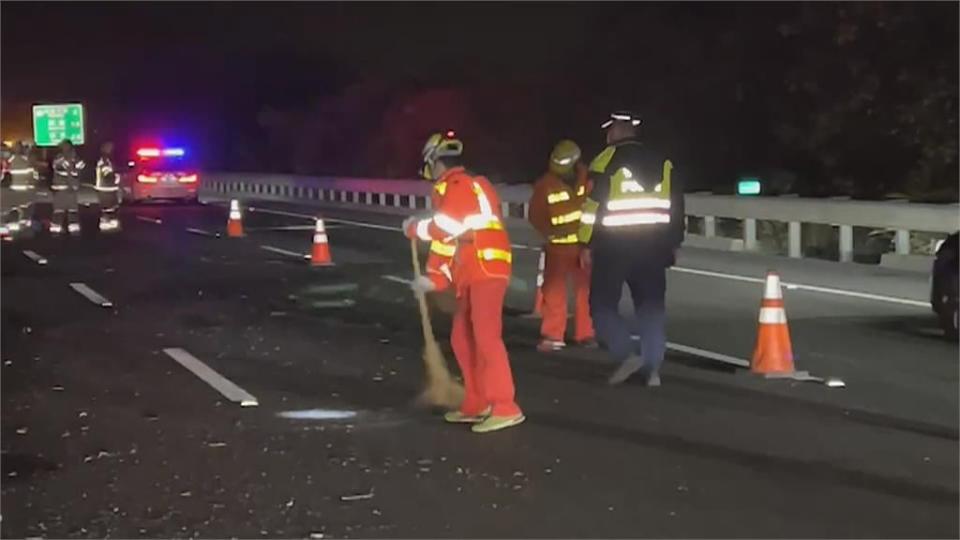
(457, 417)
(496, 423)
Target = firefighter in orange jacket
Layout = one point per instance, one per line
(470, 250)
(555, 213)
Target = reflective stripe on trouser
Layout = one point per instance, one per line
(477, 340)
(647, 283)
(563, 262)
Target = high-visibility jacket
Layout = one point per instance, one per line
(66, 172)
(22, 174)
(632, 198)
(555, 207)
(467, 216)
(440, 258)
(106, 178)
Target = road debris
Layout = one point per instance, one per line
(217, 444)
(21, 431)
(357, 497)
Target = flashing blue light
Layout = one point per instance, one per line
(748, 186)
(173, 152)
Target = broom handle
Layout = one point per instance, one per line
(421, 298)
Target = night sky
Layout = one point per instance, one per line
(711, 80)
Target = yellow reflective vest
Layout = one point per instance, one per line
(631, 195)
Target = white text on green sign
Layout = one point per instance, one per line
(55, 122)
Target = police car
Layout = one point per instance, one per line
(160, 174)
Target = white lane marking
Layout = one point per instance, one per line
(342, 303)
(739, 362)
(396, 279)
(150, 220)
(325, 220)
(288, 228)
(365, 225)
(803, 376)
(219, 382)
(285, 252)
(318, 414)
(281, 213)
(202, 232)
(35, 257)
(811, 288)
(91, 295)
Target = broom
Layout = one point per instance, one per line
(441, 390)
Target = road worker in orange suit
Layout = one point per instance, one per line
(555, 213)
(470, 250)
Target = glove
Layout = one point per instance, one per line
(422, 285)
(409, 227)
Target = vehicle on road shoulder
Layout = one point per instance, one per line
(943, 285)
(160, 174)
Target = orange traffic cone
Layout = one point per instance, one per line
(773, 354)
(320, 256)
(235, 221)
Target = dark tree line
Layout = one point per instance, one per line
(848, 98)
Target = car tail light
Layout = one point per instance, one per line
(146, 179)
(188, 179)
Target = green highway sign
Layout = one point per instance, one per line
(54, 123)
(748, 186)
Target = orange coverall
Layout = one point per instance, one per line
(555, 213)
(468, 218)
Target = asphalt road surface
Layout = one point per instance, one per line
(106, 434)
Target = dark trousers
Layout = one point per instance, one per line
(645, 275)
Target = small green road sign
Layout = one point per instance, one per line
(54, 123)
(748, 186)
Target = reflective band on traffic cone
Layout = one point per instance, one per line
(320, 256)
(538, 299)
(773, 354)
(235, 221)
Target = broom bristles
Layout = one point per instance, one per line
(441, 390)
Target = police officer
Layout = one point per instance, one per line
(106, 182)
(632, 225)
(18, 188)
(106, 178)
(67, 167)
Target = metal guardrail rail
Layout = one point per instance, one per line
(903, 217)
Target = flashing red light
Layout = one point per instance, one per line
(451, 134)
(148, 152)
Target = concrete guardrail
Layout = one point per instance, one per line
(905, 218)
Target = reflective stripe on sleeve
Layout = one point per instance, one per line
(569, 217)
(423, 230)
(444, 250)
(493, 254)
